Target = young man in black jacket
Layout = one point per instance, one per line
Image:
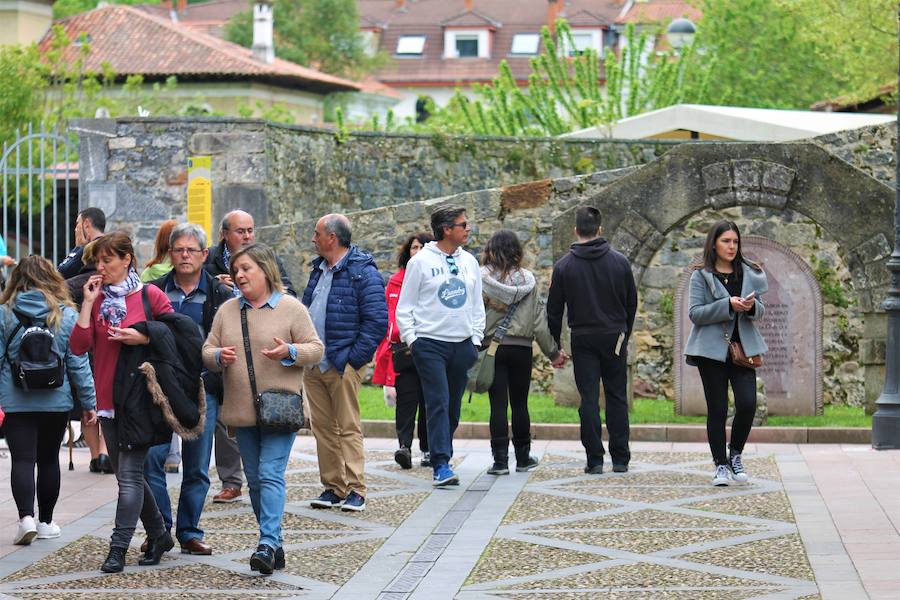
(597, 286)
(197, 294)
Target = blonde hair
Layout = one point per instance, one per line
(39, 274)
(263, 256)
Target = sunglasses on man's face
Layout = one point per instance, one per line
(451, 264)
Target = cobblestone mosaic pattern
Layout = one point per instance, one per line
(660, 531)
(324, 548)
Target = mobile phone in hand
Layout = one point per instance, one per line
(750, 296)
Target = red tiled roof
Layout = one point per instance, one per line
(470, 18)
(209, 17)
(133, 42)
(659, 11)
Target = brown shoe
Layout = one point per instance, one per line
(227, 495)
(196, 546)
(145, 544)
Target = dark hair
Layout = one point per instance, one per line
(404, 254)
(444, 216)
(709, 247)
(503, 253)
(96, 216)
(339, 225)
(587, 221)
(115, 243)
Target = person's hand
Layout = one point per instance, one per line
(227, 356)
(560, 361)
(226, 279)
(89, 417)
(390, 396)
(127, 335)
(738, 304)
(92, 288)
(8, 261)
(279, 352)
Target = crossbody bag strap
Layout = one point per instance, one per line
(502, 328)
(246, 334)
(145, 300)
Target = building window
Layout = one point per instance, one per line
(525, 43)
(582, 41)
(471, 43)
(411, 45)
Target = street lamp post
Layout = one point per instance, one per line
(886, 420)
(680, 33)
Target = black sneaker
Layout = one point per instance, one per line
(327, 499)
(426, 459)
(499, 468)
(595, 470)
(403, 457)
(263, 560)
(279, 561)
(527, 465)
(620, 468)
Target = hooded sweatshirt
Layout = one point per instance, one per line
(597, 285)
(78, 370)
(438, 305)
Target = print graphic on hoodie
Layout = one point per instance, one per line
(452, 293)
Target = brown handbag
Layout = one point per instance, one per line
(740, 358)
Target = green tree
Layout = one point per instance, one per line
(323, 34)
(67, 8)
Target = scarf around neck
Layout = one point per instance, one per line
(512, 288)
(112, 309)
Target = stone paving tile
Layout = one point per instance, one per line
(152, 595)
(643, 519)
(644, 542)
(503, 559)
(771, 505)
(298, 463)
(782, 556)
(224, 543)
(532, 506)
(648, 478)
(335, 563)
(247, 522)
(85, 554)
(390, 510)
(763, 467)
(649, 494)
(418, 472)
(729, 594)
(196, 576)
(642, 575)
(670, 458)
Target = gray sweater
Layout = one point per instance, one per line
(710, 312)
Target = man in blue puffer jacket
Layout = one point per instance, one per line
(345, 297)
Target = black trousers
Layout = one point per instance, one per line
(410, 399)
(716, 377)
(34, 439)
(594, 358)
(512, 380)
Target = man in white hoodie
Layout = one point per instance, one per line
(440, 315)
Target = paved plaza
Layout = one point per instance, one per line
(817, 521)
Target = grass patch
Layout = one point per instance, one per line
(646, 411)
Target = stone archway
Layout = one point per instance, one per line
(855, 210)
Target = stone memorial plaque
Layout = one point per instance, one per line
(791, 326)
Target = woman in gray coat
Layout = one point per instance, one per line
(724, 307)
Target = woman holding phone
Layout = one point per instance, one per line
(724, 308)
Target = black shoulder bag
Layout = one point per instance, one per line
(276, 410)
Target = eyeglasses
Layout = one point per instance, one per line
(242, 231)
(451, 264)
(190, 251)
(464, 225)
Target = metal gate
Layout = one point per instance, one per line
(39, 170)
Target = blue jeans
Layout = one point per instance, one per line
(195, 477)
(265, 454)
(443, 369)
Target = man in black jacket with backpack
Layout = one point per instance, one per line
(595, 283)
(197, 294)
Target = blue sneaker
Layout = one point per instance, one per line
(444, 476)
(327, 499)
(354, 502)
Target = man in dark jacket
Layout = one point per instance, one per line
(345, 297)
(595, 283)
(197, 294)
(235, 232)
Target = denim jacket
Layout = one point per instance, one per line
(710, 312)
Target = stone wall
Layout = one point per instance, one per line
(870, 149)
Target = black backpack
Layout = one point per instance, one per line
(39, 365)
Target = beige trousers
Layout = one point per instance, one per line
(334, 416)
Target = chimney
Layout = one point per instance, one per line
(181, 5)
(469, 4)
(263, 22)
(553, 10)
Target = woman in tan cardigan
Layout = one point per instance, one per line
(282, 341)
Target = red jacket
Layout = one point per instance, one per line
(384, 362)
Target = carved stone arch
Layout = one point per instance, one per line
(855, 210)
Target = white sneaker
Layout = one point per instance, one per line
(47, 531)
(26, 531)
(737, 469)
(721, 477)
